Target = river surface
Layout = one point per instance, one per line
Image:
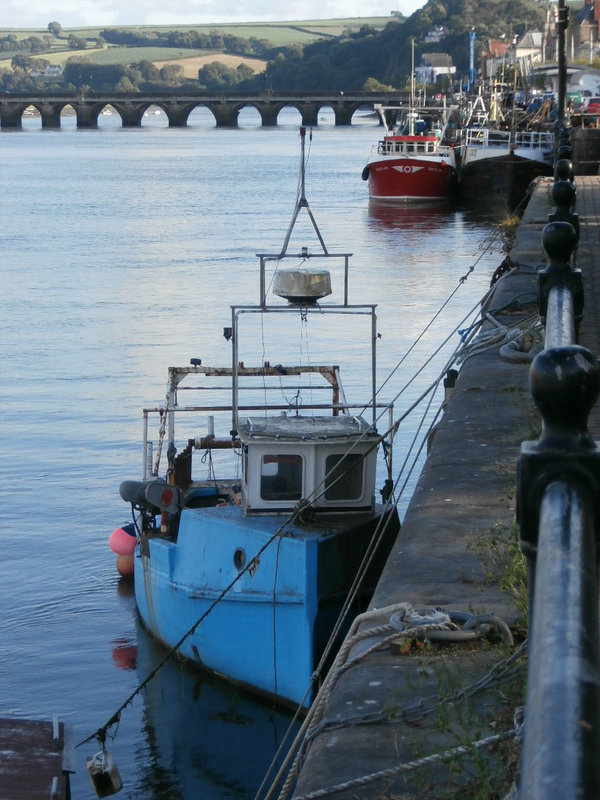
(122, 250)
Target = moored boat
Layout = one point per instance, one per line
(416, 159)
(246, 573)
(500, 159)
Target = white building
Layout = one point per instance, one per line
(432, 66)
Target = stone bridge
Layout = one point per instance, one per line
(177, 107)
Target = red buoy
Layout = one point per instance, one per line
(122, 541)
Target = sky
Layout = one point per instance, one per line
(84, 13)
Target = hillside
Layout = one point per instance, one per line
(344, 54)
(385, 56)
(236, 46)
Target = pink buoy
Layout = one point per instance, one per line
(125, 566)
(122, 540)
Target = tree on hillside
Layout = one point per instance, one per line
(172, 74)
(76, 42)
(148, 70)
(55, 28)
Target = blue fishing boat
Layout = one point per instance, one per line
(254, 549)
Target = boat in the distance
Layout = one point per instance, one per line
(416, 159)
(249, 545)
(499, 158)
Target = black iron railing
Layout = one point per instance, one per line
(559, 517)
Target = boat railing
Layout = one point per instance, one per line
(486, 137)
(559, 518)
(539, 140)
(415, 146)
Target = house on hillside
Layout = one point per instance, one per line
(432, 66)
(437, 34)
(50, 71)
(583, 30)
(527, 52)
(529, 47)
(495, 57)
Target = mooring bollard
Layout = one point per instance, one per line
(559, 240)
(564, 195)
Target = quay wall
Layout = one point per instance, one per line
(444, 557)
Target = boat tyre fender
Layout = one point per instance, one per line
(365, 174)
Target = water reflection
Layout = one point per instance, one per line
(190, 719)
(410, 216)
(428, 217)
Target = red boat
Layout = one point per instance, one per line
(415, 160)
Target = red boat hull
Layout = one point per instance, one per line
(411, 179)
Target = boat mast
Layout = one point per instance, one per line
(302, 203)
(411, 119)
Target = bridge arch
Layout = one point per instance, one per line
(105, 117)
(201, 115)
(155, 115)
(367, 107)
(289, 107)
(249, 115)
(67, 116)
(32, 114)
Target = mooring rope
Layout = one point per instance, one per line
(501, 672)
(408, 766)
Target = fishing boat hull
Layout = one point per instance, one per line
(410, 179)
(266, 629)
(506, 178)
(500, 164)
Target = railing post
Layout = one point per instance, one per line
(559, 240)
(559, 518)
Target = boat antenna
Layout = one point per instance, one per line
(302, 202)
(411, 119)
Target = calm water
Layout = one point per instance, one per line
(121, 252)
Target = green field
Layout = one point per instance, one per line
(277, 33)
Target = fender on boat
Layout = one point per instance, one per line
(365, 173)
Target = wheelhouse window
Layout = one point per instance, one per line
(281, 477)
(344, 477)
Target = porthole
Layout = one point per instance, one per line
(239, 558)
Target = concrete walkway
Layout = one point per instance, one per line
(451, 553)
